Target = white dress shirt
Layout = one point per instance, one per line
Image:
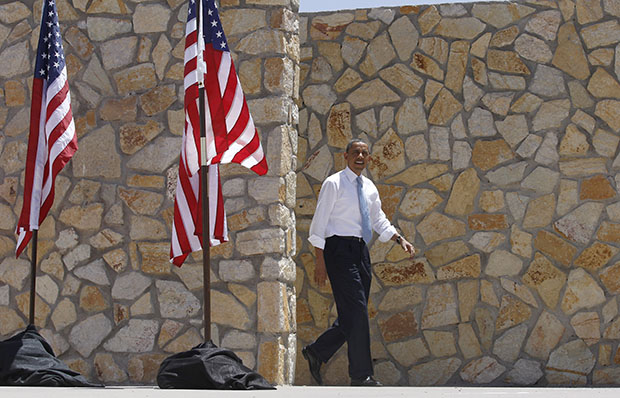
(338, 211)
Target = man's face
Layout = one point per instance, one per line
(357, 157)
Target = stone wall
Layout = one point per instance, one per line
(108, 300)
(494, 130)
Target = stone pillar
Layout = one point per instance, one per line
(263, 36)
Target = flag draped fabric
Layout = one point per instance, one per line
(52, 140)
(231, 136)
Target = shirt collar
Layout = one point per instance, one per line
(350, 174)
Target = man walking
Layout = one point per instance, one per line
(348, 209)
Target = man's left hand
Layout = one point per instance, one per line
(408, 247)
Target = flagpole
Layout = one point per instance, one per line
(33, 275)
(204, 186)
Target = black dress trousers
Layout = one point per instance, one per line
(347, 262)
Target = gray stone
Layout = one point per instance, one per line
(236, 270)
(507, 175)
(529, 146)
(175, 301)
(434, 373)
(319, 98)
(482, 371)
(439, 143)
(461, 155)
(102, 29)
(513, 129)
(76, 256)
(87, 335)
(67, 239)
(137, 336)
(579, 225)
(548, 151)
(548, 82)
(571, 361)
(14, 60)
(119, 52)
(480, 123)
(533, 49)
(508, 346)
(542, 180)
(98, 155)
(130, 286)
(93, 272)
(404, 36)
(148, 18)
(411, 117)
(157, 156)
(525, 373)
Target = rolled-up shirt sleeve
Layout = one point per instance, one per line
(378, 220)
(324, 207)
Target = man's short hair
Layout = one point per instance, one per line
(355, 141)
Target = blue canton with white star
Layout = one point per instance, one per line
(212, 26)
(50, 54)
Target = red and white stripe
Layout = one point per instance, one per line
(51, 144)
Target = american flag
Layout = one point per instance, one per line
(231, 136)
(52, 140)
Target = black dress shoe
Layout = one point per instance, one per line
(314, 363)
(366, 382)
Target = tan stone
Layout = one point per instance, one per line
(436, 372)
(418, 201)
(491, 201)
(134, 136)
(390, 198)
(136, 78)
(546, 279)
(436, 227)
(479, 70)
(388, 156)
(11, 321)
(539, 212)
(583, 167)
(596, 188)
(460, 28)
(124, 109)
(487, 241)
(446, 252)
(143, 368)
(481, 371)
(603, 85)
(404, 273)
(489, 154)
(441, 344)
(141, 202)
(408, 352)
(545, 336)
(83, 218)
(464, 191)
(329, 27)
(574, 143)
(506, 61)
(440, 308)
(582, 291)
(427, 66)
(352, 49)
(418, 173)
(186, 341)
(498, 103)
(610, 277)
(555, 247)
(500, 14)
(521, 242)
(486, 222)
(348, 80)
(92, 300)
(487, 293)
(587, 327)
(379, 53)
(468, 267)
(428, 19)
(339, 125)
(502, 262)
(431, 91)
(373, 93)
(570, 56)
(601, 34)
(168, 331)
(398, 326)
(42, 309)
(116, 259)
(609, 111)
(155, 257)
(457, 64)
(444, 108)
(435, 47)
(397, 299)
(158, 99)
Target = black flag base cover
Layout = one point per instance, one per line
(207, 366)
(26, 359)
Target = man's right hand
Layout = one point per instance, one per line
(320, 273)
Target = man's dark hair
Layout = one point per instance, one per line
(355, 141)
